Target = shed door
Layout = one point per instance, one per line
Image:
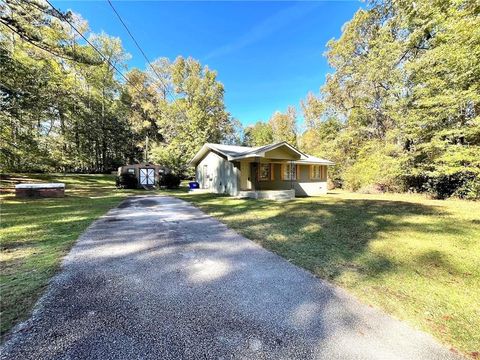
(147, 176)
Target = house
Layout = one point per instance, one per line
(141, 175)
(275, 171)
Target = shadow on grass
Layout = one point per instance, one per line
(327, 237)
(174, 266)
(36, 233)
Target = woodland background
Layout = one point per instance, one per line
(400, 111)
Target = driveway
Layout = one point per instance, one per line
(156, 278)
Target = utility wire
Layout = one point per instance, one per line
(141, 50)
(103, 57)
(35, 44)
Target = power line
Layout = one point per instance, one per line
(104, 58)
(141, 50)
(35, 44)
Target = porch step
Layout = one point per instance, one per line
(279, 195)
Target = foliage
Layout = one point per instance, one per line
(63, 107)
(377, 164)
(196, 115)
(126, 181)
(280, 127)
(284, 126)
(406, 75)
(258, 135)
(170, 181)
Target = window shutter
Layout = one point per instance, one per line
(282, 171)
(297, 173)
(272, 175)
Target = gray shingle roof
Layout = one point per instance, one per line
(235, 152)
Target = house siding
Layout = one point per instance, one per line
(222, 175)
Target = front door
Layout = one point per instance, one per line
(147, 176)
(245, 177)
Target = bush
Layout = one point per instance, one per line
(470, 190)
(126, 181)
(331, 184)
(375, 167)
(463, 185)
(371, 189)
(170, 181)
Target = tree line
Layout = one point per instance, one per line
(399, 112)
(401, 109)
(65, 105)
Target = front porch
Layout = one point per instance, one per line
(279, 195)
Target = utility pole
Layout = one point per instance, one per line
(146, 149)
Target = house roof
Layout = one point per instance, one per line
(234, 152)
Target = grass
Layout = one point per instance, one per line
(417, 259)
(35, 234)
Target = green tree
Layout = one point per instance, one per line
(195, 115)
(284, 126)
(258, 135)
(405, 86)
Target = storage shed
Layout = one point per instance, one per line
(145, 174)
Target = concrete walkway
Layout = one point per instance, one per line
(158, 279)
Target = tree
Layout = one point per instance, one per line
(64, 108)
(195, 115)
(405, 86)
(284, 126)
(258, 135)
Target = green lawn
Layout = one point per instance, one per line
(36, 233)
(417, 259)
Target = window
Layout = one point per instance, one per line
(131, 171)
(289, 172)
(315, 171)
(265, 172)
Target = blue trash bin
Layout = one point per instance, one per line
(193, 185)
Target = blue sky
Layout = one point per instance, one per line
(267, 54)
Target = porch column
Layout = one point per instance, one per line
(257, 175)
(291, 175)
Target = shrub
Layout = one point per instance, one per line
(126, 181)
(374, 167)
(170, 181)
(470, 190)
(371, 189)
(331, 184)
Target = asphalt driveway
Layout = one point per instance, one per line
(156, 278)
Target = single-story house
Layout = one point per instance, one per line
(277, 171)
